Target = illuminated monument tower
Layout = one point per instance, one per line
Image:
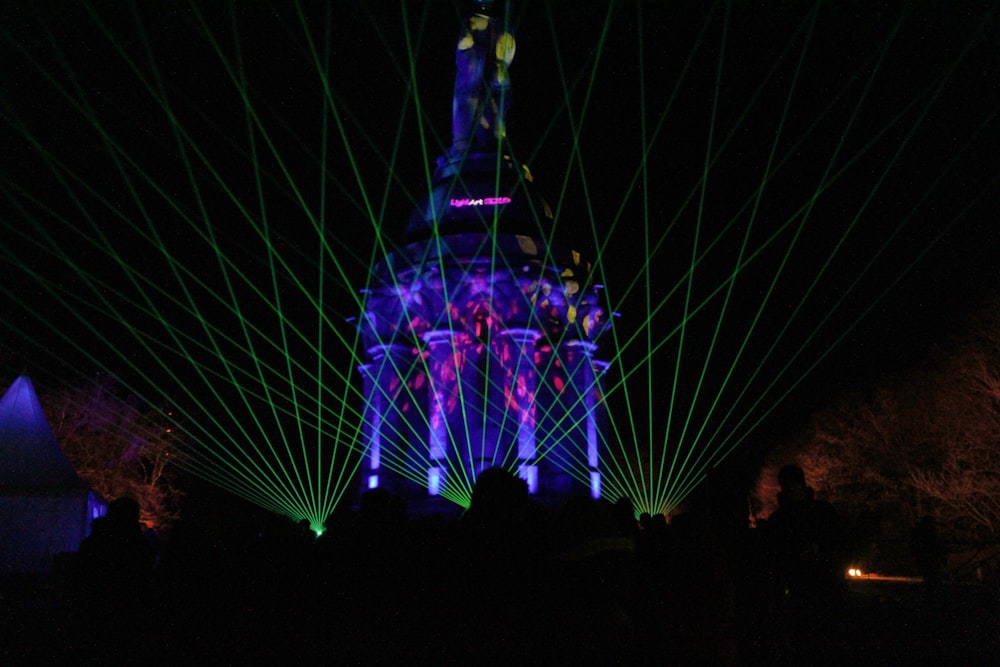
(480, 329)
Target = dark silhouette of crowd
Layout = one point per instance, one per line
(510, 582)
(806, 559)
(112, 583)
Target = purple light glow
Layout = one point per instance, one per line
(529, 474)
(595, 485)
(434, 481)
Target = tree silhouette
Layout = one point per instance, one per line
(964, 486)
(926, 443)
(118, 446)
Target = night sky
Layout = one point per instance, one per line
(879, 120)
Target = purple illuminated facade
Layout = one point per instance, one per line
(481, 334)
(481, 348)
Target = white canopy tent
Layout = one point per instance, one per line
(45, 507)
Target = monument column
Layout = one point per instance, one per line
(443, 376)
(593, 428)
(382, 385)
(520, 393)
(371, 420)
(583, 378)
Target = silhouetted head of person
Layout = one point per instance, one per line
(794, 489)
(497, 495)
(791, 475)
(124, 512)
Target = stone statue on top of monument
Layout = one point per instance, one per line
(482, 85)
